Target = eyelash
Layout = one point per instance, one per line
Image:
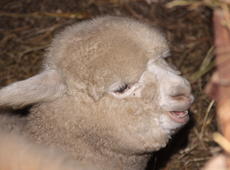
(122, 88)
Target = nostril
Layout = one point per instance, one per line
(179, 97)
(183, 97)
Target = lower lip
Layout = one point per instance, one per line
(177, 119)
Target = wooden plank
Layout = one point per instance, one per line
(219, 86)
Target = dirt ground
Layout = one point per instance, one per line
(27, 27)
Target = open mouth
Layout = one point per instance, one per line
(179, 116)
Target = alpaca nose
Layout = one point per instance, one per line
(182, 94)
(188, 98)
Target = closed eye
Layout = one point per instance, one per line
(122, 88)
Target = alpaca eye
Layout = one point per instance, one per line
(122, 88)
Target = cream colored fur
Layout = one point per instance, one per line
(104, 94)
(17, 153)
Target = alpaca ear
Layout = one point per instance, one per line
(46, 86)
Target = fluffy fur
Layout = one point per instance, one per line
(17, 153)
(105, 94)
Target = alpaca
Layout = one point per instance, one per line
(105, 95)
(17, 153)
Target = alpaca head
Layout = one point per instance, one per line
(116, 65)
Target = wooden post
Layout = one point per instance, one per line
(219, 86)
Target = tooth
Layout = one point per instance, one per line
(183, 115)
(180, 116)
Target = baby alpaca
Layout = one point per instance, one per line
(105, 95)
(19, 154)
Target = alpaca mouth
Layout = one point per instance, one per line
(179, 116)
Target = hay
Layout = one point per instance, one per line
(218, 87)
(27, 28)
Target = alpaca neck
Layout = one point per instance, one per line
(48, 125)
